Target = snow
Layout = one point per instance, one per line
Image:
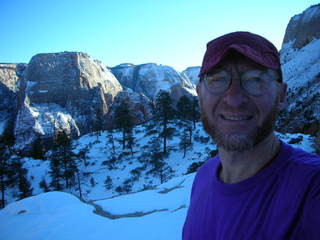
(168, 197)
(157, 213)
(57, 215)
(192, 74)
(300, 66)
(43, 91)
(47, 114)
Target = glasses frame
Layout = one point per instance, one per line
(275, 78)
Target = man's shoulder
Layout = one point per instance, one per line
(301, 158)
(302, 164)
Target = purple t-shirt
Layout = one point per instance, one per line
(280, 202)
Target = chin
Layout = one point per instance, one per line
(240, 142)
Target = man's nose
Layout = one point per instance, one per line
(235, 96)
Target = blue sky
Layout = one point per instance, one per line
(168, 32)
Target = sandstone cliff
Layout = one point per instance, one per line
(304, 27)
(300, 59)
(150, 78)
(63, 91)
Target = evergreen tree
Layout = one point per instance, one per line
(25, 189)
(195, 111)
(123, 120)
(4, 170)
(7, 140)
(38, 151)
(164, 113)
(67, 158)
(55, 171)
(43, 185)
(83, 155)
(63, 164)
(157, 160)
(98, 124)
(108, 183)
(185, 143)
(130, 140)
(185, 114)
(185, 108)
(110, 140)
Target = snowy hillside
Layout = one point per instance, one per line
(128, 173)
(156, 214)
(301, 71)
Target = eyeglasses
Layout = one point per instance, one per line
(254, 82)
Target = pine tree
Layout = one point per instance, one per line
(62, 164)
(108, 183)
(157, 159)
(110, 140)
(38, 151)
(4, 170)
(43, 185)
(55, 171)
(185, 115)
(195, 111)
(123, 120)
(83, 155)
(25, 188)
(67, 158)
(164, 113)
(185, 143)
(130, 140)
(7, 140)
(98, 123)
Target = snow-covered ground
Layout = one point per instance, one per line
(153, 214)
(126, 169)
(157, 212)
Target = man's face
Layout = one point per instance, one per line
(236, 119)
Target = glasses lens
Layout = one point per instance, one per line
(254, 82)
(218, 82)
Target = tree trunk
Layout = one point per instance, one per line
(123, 139)
(165, 137)
(79, 185)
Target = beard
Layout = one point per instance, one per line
(243, 141)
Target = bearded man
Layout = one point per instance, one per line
(257, 187)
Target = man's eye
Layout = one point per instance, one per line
(216, 79)
(253, 79)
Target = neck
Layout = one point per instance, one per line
(237, 166)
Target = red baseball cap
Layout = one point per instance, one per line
(253, 46)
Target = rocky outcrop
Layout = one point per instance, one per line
(192, 74)
(304, 27)
(63, 91)
(139, 106)
(150, 78)
(10, 75)
(300, 60)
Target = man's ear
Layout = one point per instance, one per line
(282, 104)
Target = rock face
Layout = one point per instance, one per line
(192, 74)
(150, 78)
(304, 27)
(63, 91)
(10, 75)
(301, 70)
(139, 106)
